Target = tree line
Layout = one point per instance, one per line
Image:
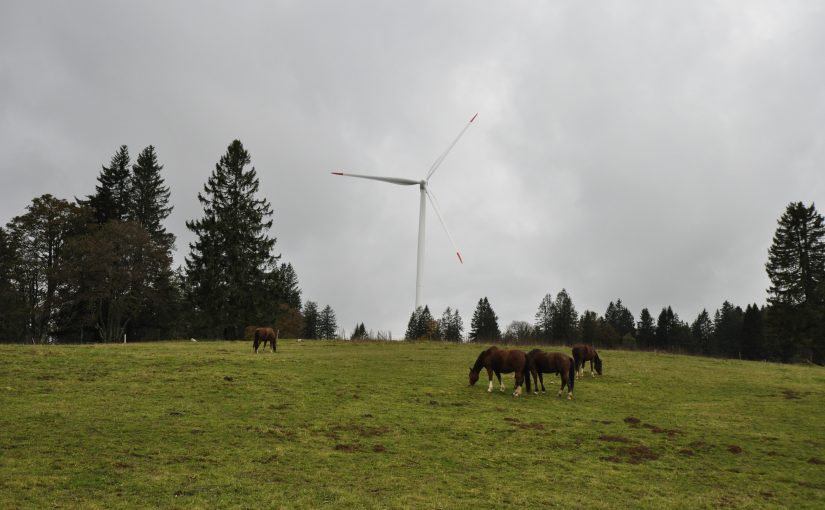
(790, 327)
(99, 268)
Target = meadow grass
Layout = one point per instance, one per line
(395, 425)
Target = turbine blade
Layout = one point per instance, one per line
(394, 180)
(440, 159)
(437, 210)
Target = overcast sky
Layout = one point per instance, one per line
(635, 150)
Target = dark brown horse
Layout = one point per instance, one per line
(501, 361)
(265, 335)
(582, 353)
(540, 362)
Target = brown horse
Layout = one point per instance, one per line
(500, 361)
(540, 362)
(265, 335)
(584, 352)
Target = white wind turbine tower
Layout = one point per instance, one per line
(423, 185)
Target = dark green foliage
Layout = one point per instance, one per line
(12, 300)
(753, 333)
(39, 237)
(359, 332)
(327, 324)
(588, 326)
(484, 324)
(665, 328)
(618, 316)
(796, 268)
(311, 324)
(232, 255)
(727, 325)
(565, 319)
(544, 319)
(111, 200)
(149, 204)
(646, 329)
(451, 326)
(422, 325)
(287, 289)
(702, 333)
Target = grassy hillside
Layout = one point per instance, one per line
(343, 425)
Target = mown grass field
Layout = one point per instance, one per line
(395, 425)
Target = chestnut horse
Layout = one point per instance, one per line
(265, 335)
(584, 352)
(540, 362)
(500, 361)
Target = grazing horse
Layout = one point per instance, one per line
(540, 362)
(584, 352)
(500, 361)
(265, 335)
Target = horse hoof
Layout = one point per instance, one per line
(569, 396)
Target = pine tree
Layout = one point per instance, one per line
(646, 330)
(753, 333)
(150, 198)
(727, 325)
(588, 324)
(311, 324)
(328, 326)
(565, 318)
(111, 200)
(288, 291)
(484, 324)
(413, 324)
(232, 255)
(796, 268)
(664, 328)
(702, 332)
(359, 332)
(618, 316)
(796, 259)
(451, 326)
(544, 319)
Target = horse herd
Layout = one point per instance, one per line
(536, 363)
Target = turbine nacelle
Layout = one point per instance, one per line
(423, 185)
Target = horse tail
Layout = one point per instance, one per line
(571, 376)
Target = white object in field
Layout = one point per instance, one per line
(423, 186)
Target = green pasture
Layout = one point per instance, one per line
(395, 425)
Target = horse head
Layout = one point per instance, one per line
(473, 376)
(598, 362)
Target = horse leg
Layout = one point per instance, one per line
(592, 373)
(533, 372)
(519, 376)
(541, 378)
(498, 374)
(490, 376)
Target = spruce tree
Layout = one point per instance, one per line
(796, 259)
(727, 325)
(587, 326)
(150, 198)
(451, 326)
(484, 324)
(646, 329)
(311, 326)
(328, 326)
(753, 333)
(229, 261)
(111, 200)
(544, 318)
(413, 330)
(702, 333)
(288, 291)
(565, 318)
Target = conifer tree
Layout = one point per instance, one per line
(484, 324)
(229, 260)
(565, 318)
(753, 333)
(544, 318)
(150, 198)
(727, 325)
(311, 326)
(451, 326)
(588, 324)
(328, 326)
(702, 333)
(111, 200)
(646, 329)
(796, 259)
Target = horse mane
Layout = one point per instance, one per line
(480, 360)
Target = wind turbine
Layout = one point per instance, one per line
(423, 186)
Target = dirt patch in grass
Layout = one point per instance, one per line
(791, 395)
(815, 460)
(523, 425)
(632, 455)
(735, 449)
(630, 420)
(687, 452)
(613, 439)
(379, 448)
(346, 448)
(659, 430)
(603, 422)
